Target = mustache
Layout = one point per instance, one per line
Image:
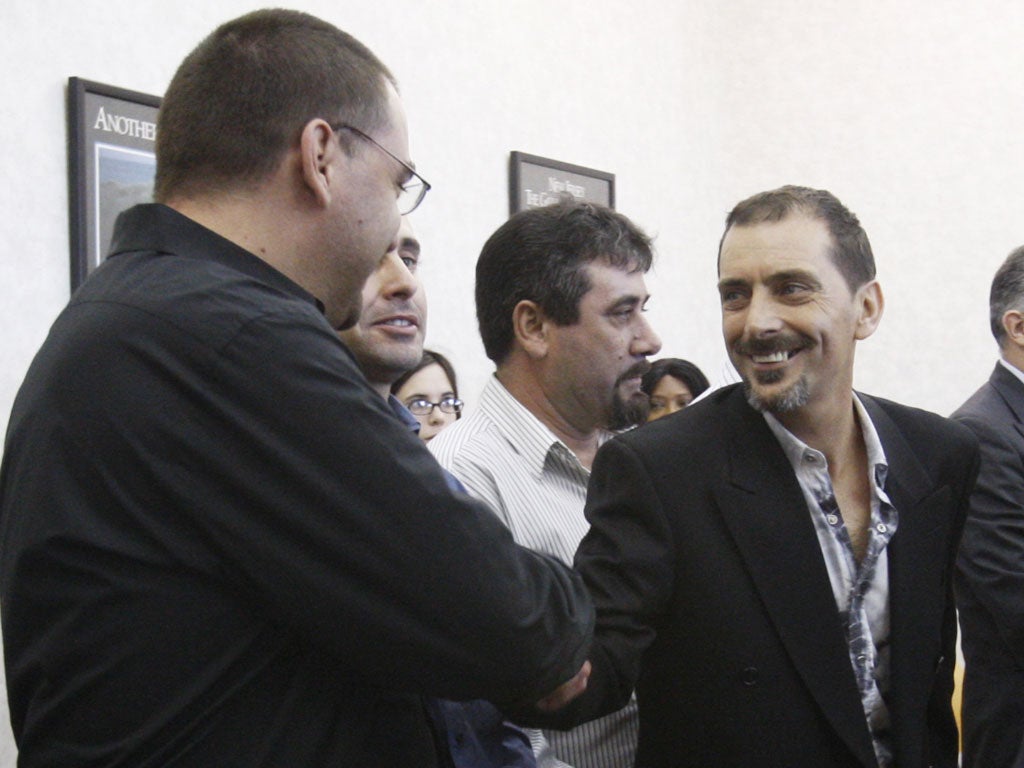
(772, 344)
(635, 371)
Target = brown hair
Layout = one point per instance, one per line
(242, 97)
(851, 251)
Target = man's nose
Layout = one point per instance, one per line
(646, 342)
(395, 277)
(762, 314)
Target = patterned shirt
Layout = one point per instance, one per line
(504, 455)
(861, 589)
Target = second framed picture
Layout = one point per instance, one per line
(535, 181)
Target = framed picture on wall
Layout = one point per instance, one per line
(111, 164)
(536, 181)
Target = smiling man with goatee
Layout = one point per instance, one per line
(771, 566)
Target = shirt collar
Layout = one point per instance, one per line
(1012, 369)
(795, 448)
(156, 227)
(527, 434)
(404, 414)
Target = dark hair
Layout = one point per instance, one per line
(1007, 292)
(851, 251)
(684, 370)
(429, 358)
(540, 255)
(242, 97)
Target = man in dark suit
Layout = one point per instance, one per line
(220, 547)
(772, 566)
(990, 570)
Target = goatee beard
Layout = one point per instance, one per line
(632, 411)
(791, 399)
(628, 413)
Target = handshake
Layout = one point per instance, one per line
(566, 692)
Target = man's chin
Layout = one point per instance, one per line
(628, 410)
(764, 397)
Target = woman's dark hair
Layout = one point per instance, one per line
(430, 358)
(684, 370)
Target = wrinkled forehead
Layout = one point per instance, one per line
(795, 242)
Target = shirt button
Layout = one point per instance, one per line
(750, 676)
(832, 519)
(881, 528)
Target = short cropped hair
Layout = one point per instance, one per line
(1007, 292)
(242, 97)
(683, 370)
(851, 250)
(540, 255)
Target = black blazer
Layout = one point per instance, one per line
(714, 600)
(990, 578)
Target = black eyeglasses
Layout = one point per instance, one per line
(413, 191)
(420, 406)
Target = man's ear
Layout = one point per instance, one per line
(318, 151)
(1013, 324)
(871, 304)
(530, 327)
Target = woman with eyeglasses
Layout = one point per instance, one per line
(430, 392)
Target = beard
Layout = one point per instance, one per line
(796, 396)
(629, 411)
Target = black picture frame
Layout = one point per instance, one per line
(111, 164)
(535, 181)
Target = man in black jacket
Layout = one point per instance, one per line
(772, 565)
(219, 547)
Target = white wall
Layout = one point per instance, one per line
(909, 111)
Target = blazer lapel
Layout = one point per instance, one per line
(921, 547)
(1011, 389)
(767, 516)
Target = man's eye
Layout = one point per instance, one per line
(732, 298)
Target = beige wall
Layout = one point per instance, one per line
(909, 111)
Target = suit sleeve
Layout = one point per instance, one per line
(315, 506)
(991, 560)
(627, 563)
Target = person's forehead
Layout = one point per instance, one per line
(606, 277)
(394, 134)
(798, 240)
(670, 385)
(407, 239)
(431, 376)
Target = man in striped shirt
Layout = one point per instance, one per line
(560, 295)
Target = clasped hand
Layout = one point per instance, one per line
(567, 691)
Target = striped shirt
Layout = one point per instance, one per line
(861, 589)
(504, 455)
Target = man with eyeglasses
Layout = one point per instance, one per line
(560, 295)
(387, 342)
(220, 548)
